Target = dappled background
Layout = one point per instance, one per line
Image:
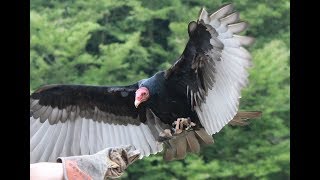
(109, 42)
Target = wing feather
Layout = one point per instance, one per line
(214, 56)
(100, 103)
(56, 150)
(50, 143)
(86, 136)
(75, 147)
(231, 72)
(92, 136)
(68, 120)
(41, 139)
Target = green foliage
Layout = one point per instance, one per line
(120, 42)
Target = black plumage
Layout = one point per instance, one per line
(83, 99)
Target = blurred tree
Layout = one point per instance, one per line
(120, 42)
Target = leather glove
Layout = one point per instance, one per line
(108, 163)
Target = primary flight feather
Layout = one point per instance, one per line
(178, 109)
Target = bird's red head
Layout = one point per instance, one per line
(142, 94)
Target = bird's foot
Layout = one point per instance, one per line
(182, 124)
(165, 135)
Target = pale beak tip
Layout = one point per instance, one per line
(136, 103)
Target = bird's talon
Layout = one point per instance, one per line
(182, 124)
(178, 131)
(192, 124)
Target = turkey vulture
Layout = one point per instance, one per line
(178, 109)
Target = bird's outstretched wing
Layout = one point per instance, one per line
(67, 120)
(212, 70)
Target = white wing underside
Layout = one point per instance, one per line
(231, 76)
(85, 136)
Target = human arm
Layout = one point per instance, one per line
(110, 162)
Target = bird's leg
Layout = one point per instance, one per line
(178, 128)
(183, 124)
(188, 123)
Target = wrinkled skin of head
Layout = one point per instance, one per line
(142, 95)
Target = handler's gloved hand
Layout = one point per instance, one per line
(108, 163)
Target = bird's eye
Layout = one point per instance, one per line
(143, 94)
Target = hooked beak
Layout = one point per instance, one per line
(136, 103)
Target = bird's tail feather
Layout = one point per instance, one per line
(186, 142)
(242, 117)
(191, 141)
